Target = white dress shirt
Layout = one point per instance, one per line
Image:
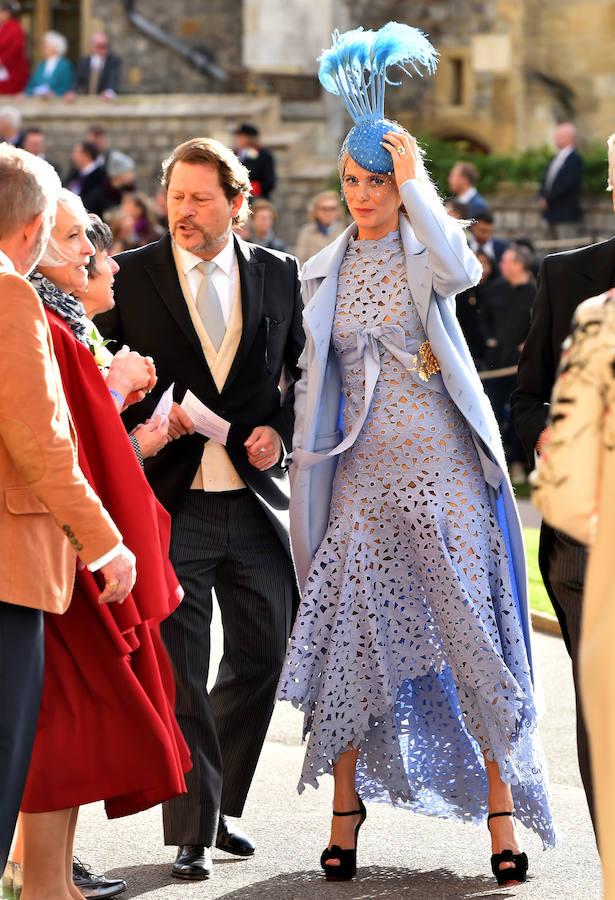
(224, 275)
(7, 262)
(50, 65)
(468, 195)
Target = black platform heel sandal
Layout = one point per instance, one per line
(516, 872)
(347, 867)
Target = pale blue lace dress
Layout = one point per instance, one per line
(408, 641)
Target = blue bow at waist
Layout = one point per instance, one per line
(417, 358)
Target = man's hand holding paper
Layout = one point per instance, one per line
(204, 420)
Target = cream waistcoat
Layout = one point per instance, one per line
(216, 471)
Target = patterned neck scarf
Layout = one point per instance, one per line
(64, 305)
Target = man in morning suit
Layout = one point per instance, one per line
(462, 180)
(223, 319)
(100, 72)
(49, 513)
(560, 188)
(565, 280)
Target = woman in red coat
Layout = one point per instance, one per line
(14, 66)
(106, 729)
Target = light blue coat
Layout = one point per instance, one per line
(439, 265)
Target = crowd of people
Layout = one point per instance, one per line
(494, 314)
(98, 73)
(321, 451)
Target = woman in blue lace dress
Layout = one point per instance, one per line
(410, 655)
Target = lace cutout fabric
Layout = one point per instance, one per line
(408, 641)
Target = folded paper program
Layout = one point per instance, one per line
(165, 404)
(206, 422)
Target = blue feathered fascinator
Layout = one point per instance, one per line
(355, 68)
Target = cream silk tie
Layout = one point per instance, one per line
(209, 307)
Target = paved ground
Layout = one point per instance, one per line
(401, 855)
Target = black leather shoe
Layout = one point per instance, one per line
(193, 862)
(233, 841)
(97, 886)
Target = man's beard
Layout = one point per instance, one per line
(208, 243)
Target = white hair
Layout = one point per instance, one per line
(11, 115)
(611, 145)
(55, 253)
(29, 186)
(57, 41)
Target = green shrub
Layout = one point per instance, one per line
(522, 170)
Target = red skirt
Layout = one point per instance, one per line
(106, 729)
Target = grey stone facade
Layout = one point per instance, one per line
(211, 25)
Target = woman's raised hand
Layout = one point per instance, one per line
(402, 147)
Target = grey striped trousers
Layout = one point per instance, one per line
(224, 541)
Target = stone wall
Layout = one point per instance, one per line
(525, 64)
(517, 215)
(211, 25)
(569, 68)
(147, 128)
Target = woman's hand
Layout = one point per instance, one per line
(403, 149)
(152, 435)
(132, 375)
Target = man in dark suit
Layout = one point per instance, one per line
(564, 281)
(482, 240)
(87, 176)
(34, 142)
(462, 180)
(222, 318)
(100, 72)
(560, 188)
(258, 160)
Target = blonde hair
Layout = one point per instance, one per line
(611, 145)
(29, 186)
(428, 188)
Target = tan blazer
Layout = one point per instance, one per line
(48, 511)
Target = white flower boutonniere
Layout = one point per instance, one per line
(98, 345)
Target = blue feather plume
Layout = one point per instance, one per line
(356, 64)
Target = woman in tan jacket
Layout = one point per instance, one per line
(574, 488)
